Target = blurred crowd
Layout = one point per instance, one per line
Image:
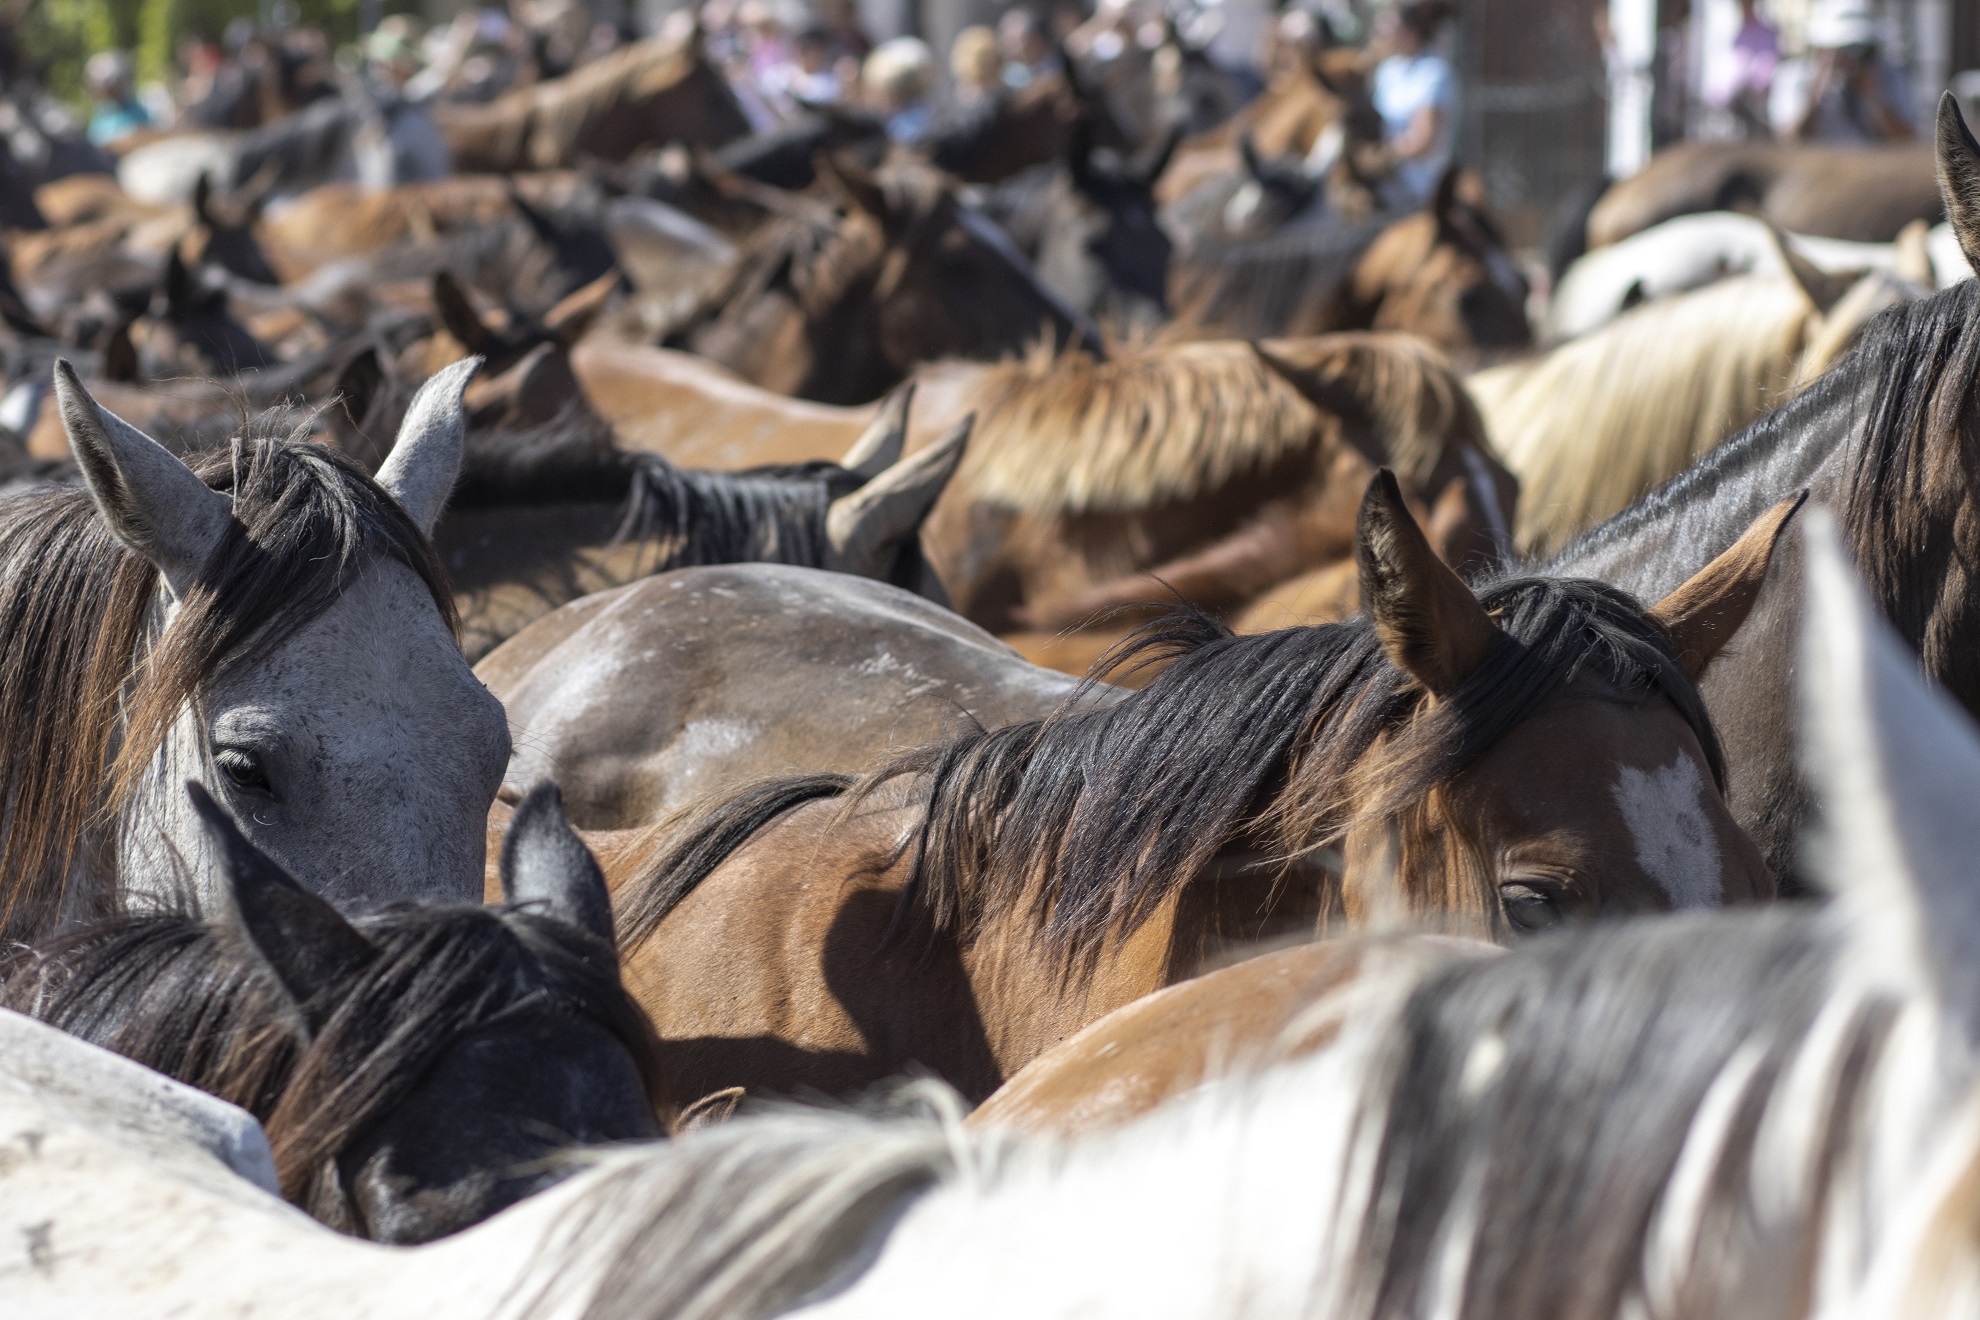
(785, 58)
(1841, 85)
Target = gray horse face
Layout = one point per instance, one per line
(363, 753)
(359, 751)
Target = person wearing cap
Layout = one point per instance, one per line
(1848, 91)
(107, 77)
(1415, 92)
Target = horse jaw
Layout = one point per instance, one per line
(383, 749)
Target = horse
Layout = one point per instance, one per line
(658, 90)
(1882, 437)
(1089, 225)
(1442, 273)
(414, 1069)
(1519, 759)
(272, 621)
(839, 308)
(1689, 1114)
(1010, 132)
(544, 515)
(1219, 468)
(1696, 250)
(1865, 193)
(627, 751)
(1595, 424)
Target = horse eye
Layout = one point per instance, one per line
(243, 768)
(1530, 908)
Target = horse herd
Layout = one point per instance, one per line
(488, 814)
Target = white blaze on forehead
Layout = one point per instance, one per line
(1665, 812)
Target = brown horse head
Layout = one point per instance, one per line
(840, 309)
(1605, 797)
(1445, 274)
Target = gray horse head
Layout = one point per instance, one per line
(301, 659)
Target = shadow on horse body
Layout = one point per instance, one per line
(415, 1071)
(1888, 438)
(1511, 761)
(274, 622)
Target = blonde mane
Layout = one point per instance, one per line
(1067, 434)
(1594, 425)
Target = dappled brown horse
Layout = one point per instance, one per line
(653, 91)
(1514, 760)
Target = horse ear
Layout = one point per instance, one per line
(545, 863)
(202, 199)
(358, 384)
(865, 530)
(152, 502)
(1151, 172)
(1895, 767)
(305, 941)
(1911, 255)
(879, 445)
(1429, 623)
(178, 284)
(120, 357)
(854, 185)
(1444, 203)
(1823, 289)
(458, 316)
(713, 1108)
(1703, 614)
(1959, 178)
(426, 457)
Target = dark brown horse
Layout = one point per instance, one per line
(1515, 760)
(653, 91)
(1442, 273)
(840, 307)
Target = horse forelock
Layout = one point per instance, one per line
(88, 692)
(1282, 742)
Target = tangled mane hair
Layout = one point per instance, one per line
(1284, 740)
(1594, 424)
(1064, 433)
(195, 1001)
(89, 687)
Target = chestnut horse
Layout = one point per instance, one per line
(1515, 760)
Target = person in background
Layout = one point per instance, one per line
(1028, 54)
(1739, 83)
(1845, 90)
(117, 112)
(809, 77)
(417, 150)
(976, 67)
(898, 77)
(1415, 92)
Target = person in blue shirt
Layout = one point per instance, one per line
(107, 77)
(1415, 92)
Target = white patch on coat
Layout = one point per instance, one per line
(1665, 812)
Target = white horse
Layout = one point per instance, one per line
(276, 625)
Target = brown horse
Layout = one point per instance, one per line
(1862, 193)
(653, 91)
(840, 307)
(650, 698)
(1515, 760)
(1442, 273)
